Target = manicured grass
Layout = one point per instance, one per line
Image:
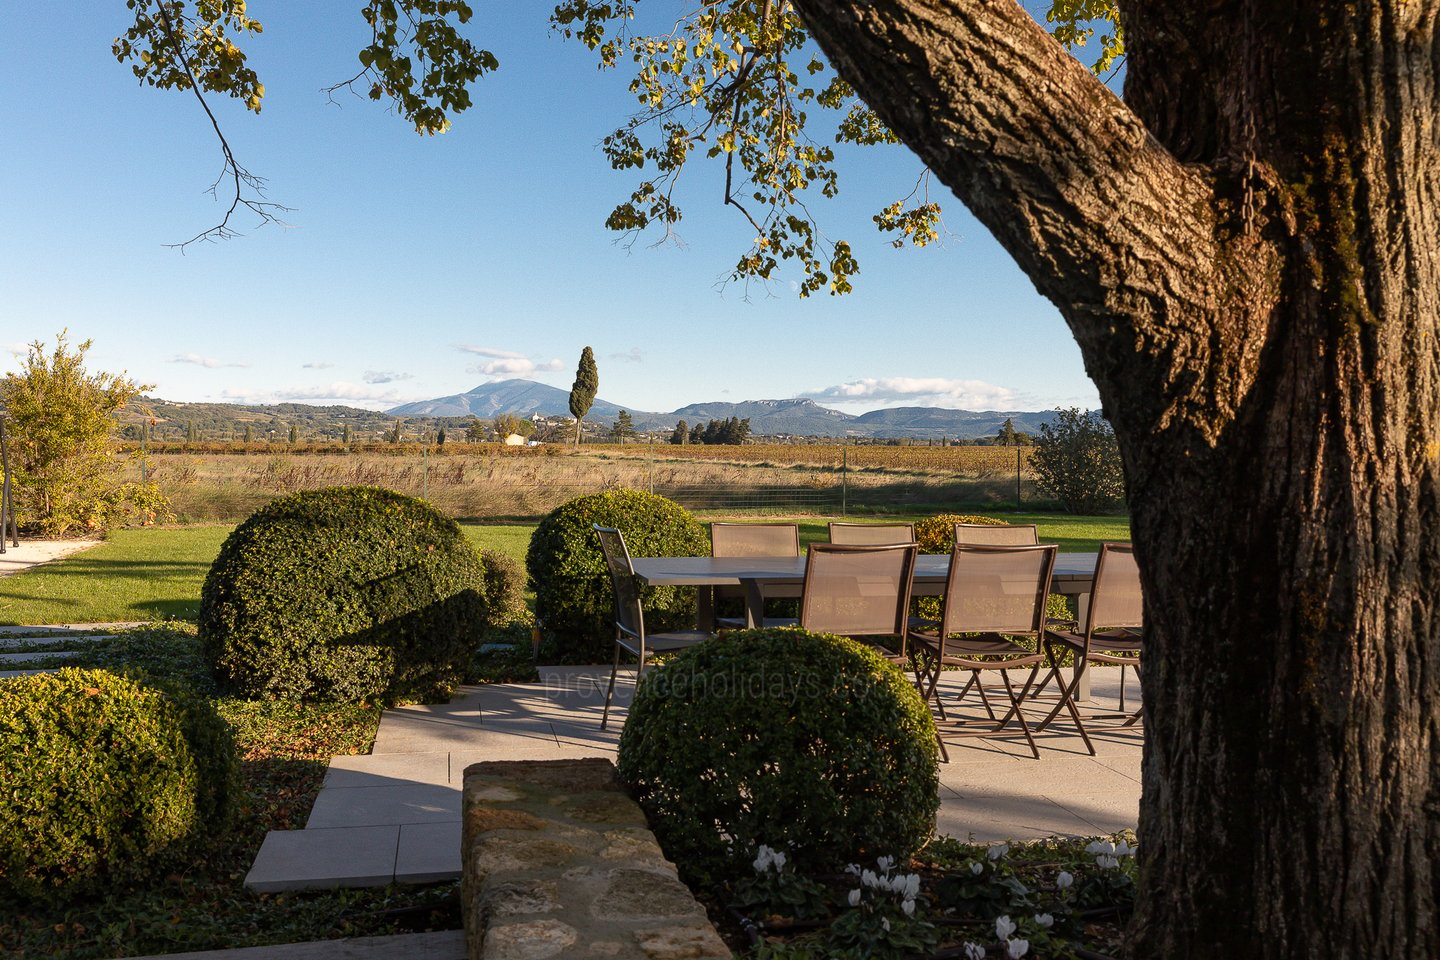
(156, 573)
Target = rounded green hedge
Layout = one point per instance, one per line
(808, 743)
(504, 589)
(344, 593)
(573, 596)
(105, 779)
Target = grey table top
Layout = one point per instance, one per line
(1071, 570)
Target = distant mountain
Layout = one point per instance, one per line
(944, 422)
(522, 397)
(771, 417)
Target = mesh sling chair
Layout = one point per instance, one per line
(630, 634)
(860, 590)
(993, 594)
(872, 533)
(753, 540)
(1112, 634)
(1005, 534)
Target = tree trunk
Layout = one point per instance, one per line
(1247, 256)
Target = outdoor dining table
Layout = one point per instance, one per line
(1072, 577)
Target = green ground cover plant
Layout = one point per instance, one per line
(283, 750)
(155, 573)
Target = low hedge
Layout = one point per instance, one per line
(346, 594)
(573, 595)
(106, 779)
(807, 743)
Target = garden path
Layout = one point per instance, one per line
(394, 815)
(32, 553)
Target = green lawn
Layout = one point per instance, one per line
(156, 574)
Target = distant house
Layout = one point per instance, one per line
(514, 440)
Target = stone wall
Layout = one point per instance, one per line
(558, 862)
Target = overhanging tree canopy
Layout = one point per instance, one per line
(1246, 251)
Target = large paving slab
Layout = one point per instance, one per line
(444, 945)
(52, 641)
(993, 788)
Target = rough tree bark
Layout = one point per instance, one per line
(1248, 252)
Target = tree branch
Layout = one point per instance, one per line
(1109, 226)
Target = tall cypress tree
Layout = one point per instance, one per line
(582, 394)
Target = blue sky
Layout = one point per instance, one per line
(420, 267)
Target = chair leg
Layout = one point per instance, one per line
(610, 690)
(1122, 688)
(1067, 698)
(1015, 709)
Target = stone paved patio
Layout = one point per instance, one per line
(394, 815)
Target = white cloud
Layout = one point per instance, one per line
(208, 362)
(318, 365)
(514, 367)
(489, 352)
(632, 356)
(918, 391)
(18, 349)
(385, 376)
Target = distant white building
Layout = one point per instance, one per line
(514, 440)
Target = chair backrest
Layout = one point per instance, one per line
(1012, 534)
(996, 588)
(887, 534)
(1115, 599)
(858, 590)
(628, 615)
(754, 540)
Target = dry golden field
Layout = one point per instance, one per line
(487, 481)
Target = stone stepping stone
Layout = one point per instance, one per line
(12, 674)
(370, 856)
(70, 628)
(440, 945)
(14, 659)
(10, 643)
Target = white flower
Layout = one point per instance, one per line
(973, 951)
(912, 886)
(779, 860)
(885, 922)
(868, 879)
(853, 868)
(1014, 949)
(764, 859)
(1123, 849)
(908, 907)
(1064, 881)
(1106, 862)
(998, 851)
(886, 864)
(1044, 920)
(855, 898)
(977, 868)
(1004, 926)
(1100, 846)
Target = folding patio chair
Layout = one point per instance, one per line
(860, 591)
(872, 533)
(753, 540)
(1113, 634)
(630, 634)
(993, 594)
(1008, 534)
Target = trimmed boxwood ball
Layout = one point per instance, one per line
(346, 594)
(573, 597)
(504, 589)
(808, 743)
(937, 534)
(105, 780)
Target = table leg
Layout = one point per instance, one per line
(705, 609)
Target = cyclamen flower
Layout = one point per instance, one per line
(1100, 847)
(868, 879)
(886, 864)
(973, 951)
(977, 868)
(998, 851)
(908, 908)
(1123, 849)
(1004, 926)
(763, 860)
(855, 898)
(1014, 949)
(1044, 920)
(853, 868)
(1065, 879)
(911, 887)
(1106, 862)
